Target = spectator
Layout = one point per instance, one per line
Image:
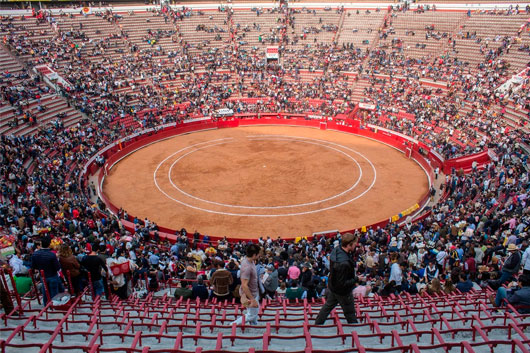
(16, 263)
(281, 290)
(271, 282)
(295, 292)
(362, 290)
(389, 288)
(249, 290)
(441, 258)
(199, 290)
(183, 291)
(119, 282)
(221, 281)
(511, 265)
(396, 273)
(69, 264)
(293, 273)
(370, 263)
(154, 258)
(282, 271)
(152, 275)
(470, 266)
(95, 265)
(449, 287)
(341, 281)
(517, 294)
(321, 287)
(45, 260)
(191, 270)
(464, 285)
(306, 277)
(415, 286)
(233, 268)
(431, 272)
(434, 287)
(23, 282)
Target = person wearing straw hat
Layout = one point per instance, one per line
(511, 265)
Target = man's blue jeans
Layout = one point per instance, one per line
(98, 287)
(501, 295)
(505, 277)
(55, 286)
(251, 316)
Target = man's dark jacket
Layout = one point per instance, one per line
(45, 259)
(342, 272)
(513, 263)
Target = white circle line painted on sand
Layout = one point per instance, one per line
(270, 215)
(353, 186)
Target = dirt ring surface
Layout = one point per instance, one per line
(273, 181)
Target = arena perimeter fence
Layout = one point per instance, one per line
(425, 156)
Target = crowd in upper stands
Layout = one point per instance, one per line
(477, 235)
(106, 91)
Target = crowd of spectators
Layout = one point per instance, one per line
(474, 237)
(163, 79)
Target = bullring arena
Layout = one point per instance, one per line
(266, 181)
(161, 139)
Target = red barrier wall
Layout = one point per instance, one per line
(275, 121)
(114, 154)
(466, 162)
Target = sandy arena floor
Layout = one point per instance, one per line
(257, 181)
